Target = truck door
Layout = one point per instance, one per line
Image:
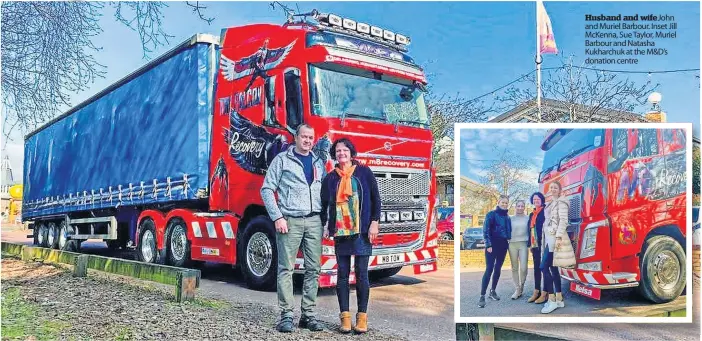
(633, 153)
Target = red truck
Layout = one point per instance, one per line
(169, 161)
(627, 215)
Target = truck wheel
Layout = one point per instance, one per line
(384, 273)
(260, 255)
(446, 236)
(177, 243)
(146, 252)
(662, 269)
(42, 235)
(52, 236)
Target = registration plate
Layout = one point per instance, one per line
(594, 293)
(388, 259)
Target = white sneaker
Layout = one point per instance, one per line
(560, 304)
(549, 306)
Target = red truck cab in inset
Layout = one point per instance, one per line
(626, 190)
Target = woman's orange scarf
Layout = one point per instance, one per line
(345, 189)
(536, 214)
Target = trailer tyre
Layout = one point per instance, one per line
(177, 244)
(52, 239)
(259, 258)
(662, 269)
(147, 252)
(64, 243)
(42, 235)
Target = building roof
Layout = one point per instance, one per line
(526, 109)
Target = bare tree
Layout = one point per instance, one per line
(48, 52)
(445, 110)
(508, 174)
(577, 94)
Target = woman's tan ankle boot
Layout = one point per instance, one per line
(543, 298)
(361, 323)
(534, 296)
(345, 318)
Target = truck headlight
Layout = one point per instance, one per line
(587, 248)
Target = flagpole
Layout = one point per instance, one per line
(538, 61)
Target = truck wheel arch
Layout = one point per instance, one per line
(672, 231)
(159, 222)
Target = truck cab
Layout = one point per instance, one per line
(345, 79)
(627, 208)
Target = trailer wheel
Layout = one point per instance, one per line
(662, 269)
(260, 256)
(64, 243)
(146, 252)
(52, 239)
(42, 235)
(383, 273)
(177, 243)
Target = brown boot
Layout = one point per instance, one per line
(361, 323)
(543, 298)
(534, 296)
(345, 318)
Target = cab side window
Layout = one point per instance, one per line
(293, 98)
(647, 144)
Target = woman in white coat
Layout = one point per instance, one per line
(556, 247)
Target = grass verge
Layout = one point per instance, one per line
(20, 319)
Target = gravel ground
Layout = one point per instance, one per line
(46, 302)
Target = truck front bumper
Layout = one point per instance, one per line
(599, 279)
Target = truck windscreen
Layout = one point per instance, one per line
(571, 143)
(349, 92)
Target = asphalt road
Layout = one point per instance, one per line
(622, 303)
(625, 302)
(416, 307)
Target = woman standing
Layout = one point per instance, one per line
(555, 242)
(497, 232)
(518, 248)
(536, 224)
(351, 206)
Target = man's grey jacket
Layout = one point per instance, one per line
(286, 176)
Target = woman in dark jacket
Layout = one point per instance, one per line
(351, 211)
(497, 231)
(536, 224)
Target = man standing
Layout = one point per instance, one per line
(296, 176)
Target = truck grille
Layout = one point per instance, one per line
(400, 228)
(400, 183)
(574, 209)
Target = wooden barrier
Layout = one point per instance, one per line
(186, 281)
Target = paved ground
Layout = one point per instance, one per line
(403, 305)
(624, 302)
(616, 304)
